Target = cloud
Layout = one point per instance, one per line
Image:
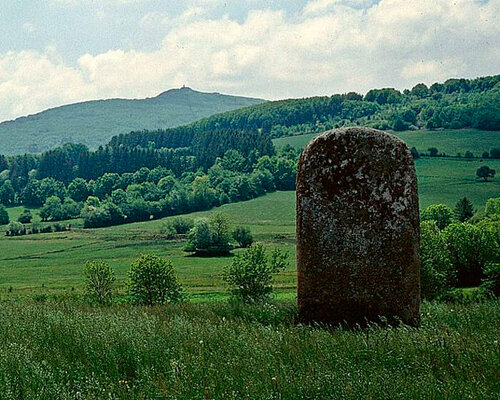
(330, 47)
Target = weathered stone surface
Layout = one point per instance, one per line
(357, 229)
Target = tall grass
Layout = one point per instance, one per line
(67, 351)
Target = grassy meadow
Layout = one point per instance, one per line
(54, 346)
(221, 350)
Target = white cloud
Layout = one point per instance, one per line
(332, 47)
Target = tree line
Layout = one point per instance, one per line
(158, 192)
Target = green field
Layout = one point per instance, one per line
(55, 260)
(46, 262)
(450, 142)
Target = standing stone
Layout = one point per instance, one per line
(357, 229)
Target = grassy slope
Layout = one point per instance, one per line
(93, 123)
(449, 141)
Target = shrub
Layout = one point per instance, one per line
(491, 282)
(210, 237)
(99, 279)
(243, 237)
(439, 213)
(182, 225)
(26, 217)
(16, 229)
(485, 172)
(436, 270)
(168, 230)
(250, 275)
(471, 248)
(4, 216)
(152, 281)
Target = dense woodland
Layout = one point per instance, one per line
(225, 158)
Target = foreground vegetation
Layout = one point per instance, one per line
(223, 350)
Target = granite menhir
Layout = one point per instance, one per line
(358, 230)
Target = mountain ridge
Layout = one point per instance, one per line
(94, 122)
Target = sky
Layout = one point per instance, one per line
(55, 52)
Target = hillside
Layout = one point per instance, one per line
(453, 104)
(93, 123)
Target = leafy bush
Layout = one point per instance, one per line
(182, 225)
(471, 248)
(26, 217)
(152, 281)
(250, 275)
(440, 213)
(4, 216)
(436, 270)
(243, 237)
(99, 279)
(16, 229)
(168, 230)
(210, 237)
(491, 282)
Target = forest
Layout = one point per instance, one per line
(227, 157)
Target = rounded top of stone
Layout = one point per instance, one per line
(356, 132)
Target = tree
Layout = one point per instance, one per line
(99, 279)
(436, 270)
(52, 209)
(420, 90)
(464, 210)
(433, 152)
(4, 216)
(440, 213)
(243, 236)
(495, 153)
(492, 207)
(7, 193)
(78, 189)
(153, 281)
(105, 184)
(414, 153)
(470, 248)
(491, 283)
(485, 172)
(219, 226)
(399, 124)
(250, 275)
(26, 217)
(210, 237)
(199, 238)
